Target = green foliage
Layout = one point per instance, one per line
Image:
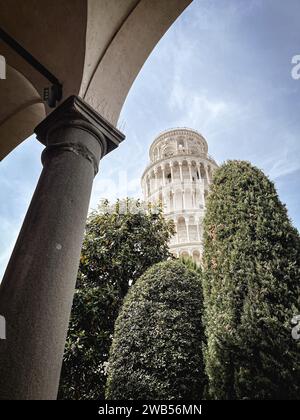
(157, 346)
(191, 264)
(121, 242)
(251, 288)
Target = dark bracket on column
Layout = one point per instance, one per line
(53, 94)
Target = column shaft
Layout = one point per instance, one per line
(37, 290)
(188, 230)
(198, 232)
(199, 171)
(164, 176)
(206, 174)
(180, 171)
(190, 171)
(183, 199)
(172, 173)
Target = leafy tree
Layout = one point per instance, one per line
(121, 242)
(157, 346)
(251, 288)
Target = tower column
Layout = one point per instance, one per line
(198, 230)
(172, 172)
(163, 175)
(198, 170)
(190, 170)
(188, 228)
(156, 180)
(206, 174)
(180, 171)
(38, 286)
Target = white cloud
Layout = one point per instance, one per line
(119, 185)
(284, 158)
(198, 109)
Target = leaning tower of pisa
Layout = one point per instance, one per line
(178, 176)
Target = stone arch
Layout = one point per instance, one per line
(168, 149)
(181, 229)
(185, 254)
(181, 144)
(193, 232)
(15, 122)
(185, 170)
(178, 205)
(196, 256)
(194, 170)
(188, 198)
(176, 171)
(85, 51)
(159, 176)
(171, 200)
(202, 171)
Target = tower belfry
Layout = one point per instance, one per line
(178, 176)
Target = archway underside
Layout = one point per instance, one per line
(95, 49)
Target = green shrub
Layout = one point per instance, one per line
(157, 346)
(251, 288)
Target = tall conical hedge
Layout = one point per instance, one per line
(251, 288)
(157, 346)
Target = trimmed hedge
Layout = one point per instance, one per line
(251, 288)
(157, 347)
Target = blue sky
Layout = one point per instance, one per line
(224, 68)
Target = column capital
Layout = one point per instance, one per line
(75, 113)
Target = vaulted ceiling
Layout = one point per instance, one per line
(95, 48)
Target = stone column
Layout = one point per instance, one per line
(180, 171)
(172, 172)
(190, 170)
(155, 179)
(198, 170)
(188, 228)
(198, 230)
(206, 174)
(163, 175)
(37, 289)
